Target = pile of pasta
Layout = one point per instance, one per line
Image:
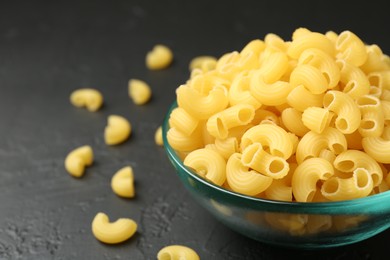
(306, 120)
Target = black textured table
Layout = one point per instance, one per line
(50, 48)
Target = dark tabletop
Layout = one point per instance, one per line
(50, 48)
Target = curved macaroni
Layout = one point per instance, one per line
(122, 182)
(316, 118)
(183, 121)
(177, 252)
(139, 91)
(200, 106)
(268, 135)
(256, 158)
(301, 98)
(310, 77)
(350, 160)
(354, 81)
(90, 98)
(208, 164)
(204, 63)
(117, 131)
(239, 92)
(185, 143)
(373, 118)
(160, 57)
(219, 124)
(158, 137)
(378, 148)
(348, 113)
(243, 180)
(78, 159)
(306, 176)
(115, 232)
(351, 48)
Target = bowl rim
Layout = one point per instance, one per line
(311, 207)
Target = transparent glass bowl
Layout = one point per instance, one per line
(289, 224)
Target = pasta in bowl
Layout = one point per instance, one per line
(288, 142)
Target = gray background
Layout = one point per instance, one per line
(50, 48)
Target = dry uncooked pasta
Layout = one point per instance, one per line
(305, 119)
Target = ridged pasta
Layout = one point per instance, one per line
(183, 121)
(351, 48)
(311, 144)
(219, 124)
(226, 147)
(374, 61)
(243, 180)
(310, 77)
(208, 164)
(316, 118)
(200, 106)
(347, 111)
(268, 135)
(182, 142)
(351, 160)
(307, 40)
(301, 98)
(306, 176)
(358, 186)
(256, 158)
(373, 120)
(378, 148)
(292, 121)
(354, 81)
(239, 91)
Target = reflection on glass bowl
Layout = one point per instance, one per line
(290, 224)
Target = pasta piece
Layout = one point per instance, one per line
(292, 121)
(279, 190)
(347, 111)
(160, 57)
(78, 159)
(178, 252)
(200, 106)
(219, 124)
(256, 46)
(373, 120)
(204, 63)
(306, 176)
(351, 160)
(122, 182)
(301, 98)
(307, 40)
(378, 148)
(184, 143)
(354, 81)
(256, 158)
(90, 98)
(117, 131)
(351, 48)
(374, 61)
(226, 147)
(115, 232)
(311, 144)
(183, 121)
(139, 91)
(208, 164)
(239, 92)
(158, 137)
(324, 63)
(386, 111)
(310, 77)
(243, 180)
(358, 186)
(274, 137)
(316, 118)
(380, 79)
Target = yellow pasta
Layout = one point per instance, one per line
(160, 57)
(358, 186)
(378, 148)
(301, 98)
(351, 160)
(310, 77)
(243, 180)
(256, 46)
(178, 252)
(380, 79)
(374, 61)
(139, 91)
(256, 158)
(239, 92)
(306, 176)
(268, 135)
(316, 118)
(351, 48)
(307, 40)
(226, 147)
(348, 113)
(183, 121)
(90, 98)
(117, 131)
(78, 159)
(324, 63)
(208, 164)
(122, 183)
(158, 137)
(200, 106)
(311, 144)
(184, 143)
(205, 63)
(219, 124)
(386, 111)
(373, 120)
(354, 81)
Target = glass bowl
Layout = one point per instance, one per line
(288, 224)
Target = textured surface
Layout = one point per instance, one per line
(49, 48)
